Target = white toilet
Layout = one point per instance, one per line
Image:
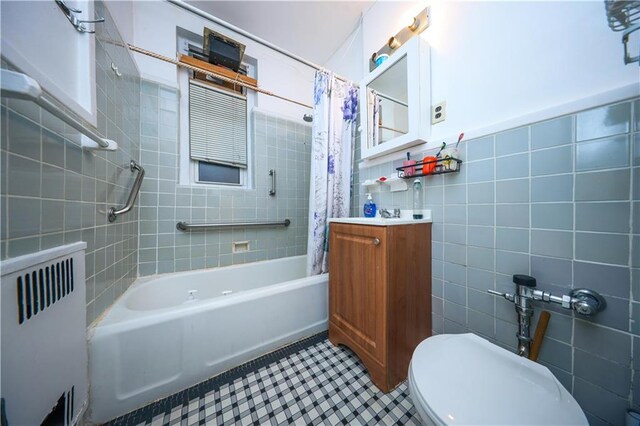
(462, 379)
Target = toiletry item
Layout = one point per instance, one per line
(381, 58)
(429, 164)
(408, 170)
(449, 163)
(444, 144)
(459, 139)
(417, 199)
(369, 208)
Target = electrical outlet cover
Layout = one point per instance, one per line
(438, 112)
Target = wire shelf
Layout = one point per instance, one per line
(622, 14)
(439, 166)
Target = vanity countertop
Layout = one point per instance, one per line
(406, 218)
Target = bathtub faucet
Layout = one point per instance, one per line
(584, 301)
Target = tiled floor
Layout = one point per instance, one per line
(308, 383)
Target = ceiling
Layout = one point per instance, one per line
(313, 30)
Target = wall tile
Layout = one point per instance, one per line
(549, 270)
(24, 136)
(481, 236)
(512, 239)
(455, 253)
(455, 194)
(479, 193)
(606, 153)
(512, 166)
(556, 353)
(481, 214)
(604, 121)
(512, 215)
(481, 301)
(480, 171)
(512, 141)
(552, 161)
(603, 217)
(512, 263)
(605, 248)
(552, 132)
(512, 191)
(600, 402)
(480, 280)
(455, 293)
(603, 342)
(479, 257)
(481, 323)
(552, 188)
(552, 216)
(478, 149)
(602, 186)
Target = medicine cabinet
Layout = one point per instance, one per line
(395, 101)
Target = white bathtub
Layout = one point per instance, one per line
(158, 338)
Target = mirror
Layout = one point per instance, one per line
(387, 104)
(396, 101)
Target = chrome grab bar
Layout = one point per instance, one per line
(272, 173)
(21, 86)
(184, 226)
(113, 213)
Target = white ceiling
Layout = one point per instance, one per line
(313, 30)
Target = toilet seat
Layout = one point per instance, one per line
(463, 379)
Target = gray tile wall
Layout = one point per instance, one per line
(559, 200)
(55, 193)
(277, 143)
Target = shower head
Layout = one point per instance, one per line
(308, 118)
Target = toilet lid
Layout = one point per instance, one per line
(462, 379)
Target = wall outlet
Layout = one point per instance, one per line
(439, 112)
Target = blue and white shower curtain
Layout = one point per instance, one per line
(335, 108)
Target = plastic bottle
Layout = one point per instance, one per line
(417, 199)
(369, 207)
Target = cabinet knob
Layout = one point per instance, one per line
(376, 241)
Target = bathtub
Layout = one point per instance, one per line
(169, 332)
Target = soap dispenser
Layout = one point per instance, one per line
(369, 207)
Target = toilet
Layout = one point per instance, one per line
(463, 379)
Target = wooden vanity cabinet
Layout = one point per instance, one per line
(380, 295)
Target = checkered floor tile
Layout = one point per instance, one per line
(308, 383)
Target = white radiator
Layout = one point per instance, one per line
(44, 342)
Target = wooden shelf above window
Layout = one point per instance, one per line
(225, 72)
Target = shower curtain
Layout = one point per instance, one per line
(335, 108)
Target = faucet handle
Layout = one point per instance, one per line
(524, 280)
(509, 297)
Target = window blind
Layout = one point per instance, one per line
(217, 126)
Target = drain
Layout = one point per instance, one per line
(227, 292)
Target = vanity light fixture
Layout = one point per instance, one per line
(415, 24)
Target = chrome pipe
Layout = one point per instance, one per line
(184, 226)
(133, 195)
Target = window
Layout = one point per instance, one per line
(217, 133)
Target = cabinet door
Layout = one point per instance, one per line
(357, 291)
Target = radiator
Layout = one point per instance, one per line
(44, 342)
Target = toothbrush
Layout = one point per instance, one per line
(441, 148)
(459, 139)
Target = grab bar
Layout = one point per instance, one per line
(113, 213)
(184, 226)
(272, 173)
(21, 86)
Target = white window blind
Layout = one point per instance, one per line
(217, 126)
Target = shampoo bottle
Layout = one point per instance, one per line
(369, 207)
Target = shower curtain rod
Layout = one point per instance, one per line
(227, 25)
(214, 74)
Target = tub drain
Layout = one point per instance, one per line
(227, 292)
